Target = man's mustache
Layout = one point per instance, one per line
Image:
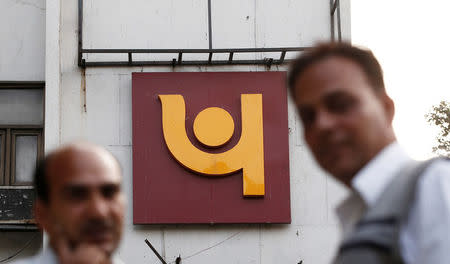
(96, 225)
(329, 141)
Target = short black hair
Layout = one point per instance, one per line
(362, 57)
(40, 178)
(40, 182)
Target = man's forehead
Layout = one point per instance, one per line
(90, 182)
(83, 163)
(331, 75)
(332, 67)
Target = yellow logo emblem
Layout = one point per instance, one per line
(214, 127)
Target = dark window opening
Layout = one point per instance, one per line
(21, 147)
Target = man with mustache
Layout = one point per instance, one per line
(80, 205)
(398, 210)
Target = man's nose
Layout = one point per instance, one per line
(325, 120)
(97, 206)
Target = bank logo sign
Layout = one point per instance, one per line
(213, 127)
(210, 148)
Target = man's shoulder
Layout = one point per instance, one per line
(40, 259)
(434, 186)
(43, 256)
(437, 173)
(425, 233)
(118, 261)
(23, 261)
(441, 164)
(29, 260)
(432, 197)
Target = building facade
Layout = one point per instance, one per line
(59, 87)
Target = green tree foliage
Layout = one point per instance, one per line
(440, 117)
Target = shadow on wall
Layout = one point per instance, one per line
(19, 244)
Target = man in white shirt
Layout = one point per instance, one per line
(80, 205)
(347, 120)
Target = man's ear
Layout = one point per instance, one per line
(389, 107)
(40, 209)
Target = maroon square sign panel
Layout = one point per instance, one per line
(210, 147)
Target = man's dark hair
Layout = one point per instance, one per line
(40, 183)
(363, 58)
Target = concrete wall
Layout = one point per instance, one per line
(106, 118)
(22, 38)
(95, 104)
(22, 58)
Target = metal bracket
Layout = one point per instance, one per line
(155, 251)
(82, 63)
(335, 13)
(180, 62)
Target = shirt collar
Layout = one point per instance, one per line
(371, 180)
(368, 184)
(48, 256)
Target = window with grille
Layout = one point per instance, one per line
(21, 147)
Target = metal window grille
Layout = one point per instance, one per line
(16, 191)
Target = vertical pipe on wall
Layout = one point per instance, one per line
(52, 128)
(331, 20)
(209, 25)
(80, 32)
(338, 8)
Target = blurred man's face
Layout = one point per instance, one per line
(86, 204)
(345, 122)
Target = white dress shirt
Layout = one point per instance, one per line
(425, 236)
(48, 257)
